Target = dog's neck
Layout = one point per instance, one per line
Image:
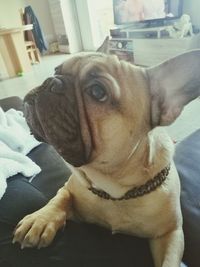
(150, 155)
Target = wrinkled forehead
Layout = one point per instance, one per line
(86, 68)
(83, 64)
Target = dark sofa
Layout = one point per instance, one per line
(80, 244)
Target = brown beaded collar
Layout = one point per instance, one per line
(137, 191)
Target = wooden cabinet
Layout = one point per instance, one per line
(13, 54)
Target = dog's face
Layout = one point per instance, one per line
(96, 107)
(92, 109)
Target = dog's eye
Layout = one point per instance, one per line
(98, 93)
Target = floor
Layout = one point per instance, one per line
(188, 121)
(21, 85)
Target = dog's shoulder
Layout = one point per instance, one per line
(161, 147)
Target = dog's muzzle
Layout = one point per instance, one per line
(52, 113)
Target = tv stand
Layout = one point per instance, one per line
(145, 32)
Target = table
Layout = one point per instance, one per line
(13, 55)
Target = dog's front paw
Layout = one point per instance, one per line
(39, 228)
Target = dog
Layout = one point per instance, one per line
(104, 117)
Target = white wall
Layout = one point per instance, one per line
(85, 25)
(9, 13)
(101, 19)
(71, 22)
(42, 11)
(192, 8)
(95, 19)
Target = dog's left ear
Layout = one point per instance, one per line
(104, 48)
(173, 84)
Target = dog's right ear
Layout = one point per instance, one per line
(104, 48)
(173, 84)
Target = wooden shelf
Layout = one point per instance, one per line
(14, 57)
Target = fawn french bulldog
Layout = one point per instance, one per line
(102, 115)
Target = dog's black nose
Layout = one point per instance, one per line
(54, 84)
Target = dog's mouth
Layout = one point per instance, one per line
(33, 121)
(52, 114)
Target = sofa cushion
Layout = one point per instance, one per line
(20, 199)
(54, 172)
(187, 159)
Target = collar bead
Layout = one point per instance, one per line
(137, 191)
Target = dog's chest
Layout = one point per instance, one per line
(141, 216)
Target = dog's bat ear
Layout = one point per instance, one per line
(58, 69)
(104, 48)
(173, 84)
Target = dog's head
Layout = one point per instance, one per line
(96, 106)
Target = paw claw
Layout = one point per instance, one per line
(38, 229)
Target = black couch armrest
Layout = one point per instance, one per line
(187, 160)
(11, 102)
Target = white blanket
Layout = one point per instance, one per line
(16, 142)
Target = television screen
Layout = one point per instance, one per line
(128, 11)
